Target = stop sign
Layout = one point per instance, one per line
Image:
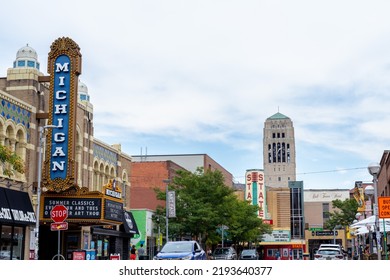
(59, 213)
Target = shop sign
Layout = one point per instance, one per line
(324, 233)
(277, 236)
(113, 190)
(384, 207)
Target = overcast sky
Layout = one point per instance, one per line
(202, 76)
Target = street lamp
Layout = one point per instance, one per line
(357, 216)
(41, 144)
(374, 169)
(354, 247)
(369, 191)
(334, 232)
(166, 181)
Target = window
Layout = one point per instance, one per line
(325, 211)
(11, 243)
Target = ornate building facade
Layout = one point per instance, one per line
(24, 109)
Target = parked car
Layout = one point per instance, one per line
(329, 254)
(337, 246)
(6, 255)
(181, 250)
(249, 254)
(225, 253)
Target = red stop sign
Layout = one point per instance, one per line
(59, 213)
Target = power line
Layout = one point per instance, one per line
(319, 172)
(330, 171)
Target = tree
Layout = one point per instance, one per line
(204, 203)
(244, 225)
(11, 162)
(343, 215)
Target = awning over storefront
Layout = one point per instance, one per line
(295, 242)
(5, 212)
(129, 223)
(15, 207)
(128, 229)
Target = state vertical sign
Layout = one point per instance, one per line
(255, 190)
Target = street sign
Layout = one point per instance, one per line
(58, 226)
(59, 213)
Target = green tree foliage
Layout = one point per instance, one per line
(204, 203)
(344, 213)
(11, 162)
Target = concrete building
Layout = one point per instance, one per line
(284, 199)
(279, 151)
(318, 205)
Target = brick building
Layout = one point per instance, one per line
(146, 176)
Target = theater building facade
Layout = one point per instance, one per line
(48, 121)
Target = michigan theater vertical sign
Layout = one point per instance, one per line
(64, 67)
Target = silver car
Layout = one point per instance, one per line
(249, 254)
(225, 253)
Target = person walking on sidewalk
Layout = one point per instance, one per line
(141, 252)
(133, 253)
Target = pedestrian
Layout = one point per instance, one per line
(141, 251)
(209, 254)
(133, 253)
(367, 252)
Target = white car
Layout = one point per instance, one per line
(329, 254)
(337, 246)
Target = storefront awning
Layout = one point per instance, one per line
(16, 208)
(278, 243)
(129, 223)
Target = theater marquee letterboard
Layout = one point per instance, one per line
(78, 208)
(113, 210)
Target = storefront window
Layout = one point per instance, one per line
(100, 243)
(11, 243)
(17, 248)
(5, 242)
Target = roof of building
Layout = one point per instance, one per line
(27, 52)
(278, 116)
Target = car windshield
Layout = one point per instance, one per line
(328, 252)
(248, 252)
(221, 251)
(177, 247)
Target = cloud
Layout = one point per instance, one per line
(207, 74)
